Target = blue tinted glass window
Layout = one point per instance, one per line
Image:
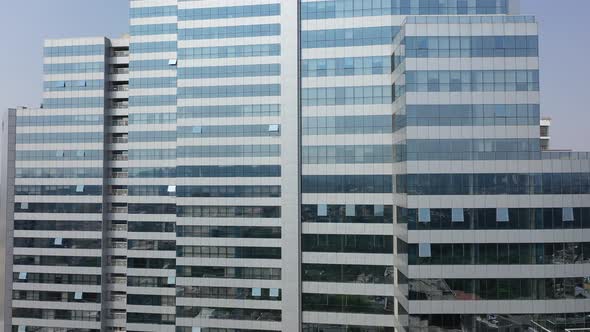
(54, 173)
(78, 85)
(155, 82)
(72, 68)
(153, 47)
(219, 151)
(349, 8)
(230, 91)
(469, 115)
(152, 118)
(159, 11)
(230, 171)
(138, 65)
(472, 81)
(83, 137)
(347, 154)
(239, 31)
(78, 50)
(229, 12)
(60, 120)
(153, 29)
(348, 37)
(89, 102)
(346, 66)
(229, 71)
(494, 184)
(346, 184)
(339, 125)
(253, 110)
(234, 51)
(475, 46)
(226, 131)
(162, 100)
(354, 95)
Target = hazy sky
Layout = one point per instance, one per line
(565, 47)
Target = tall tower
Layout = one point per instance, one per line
(487, 224)
(265, 165)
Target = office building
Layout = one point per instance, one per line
(316, 166)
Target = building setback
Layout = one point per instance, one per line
(545, 133)
(315, 166)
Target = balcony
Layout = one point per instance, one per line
(119, 245)
(120, 122)
(115, 71)
(119, 140)
(119, 175)
(118, 209)
(118, 316)
(119, 88)
(118, 262)
(118, 298)
(119, 227)
(120, 105)
(119, 192)
(119, 53)
(118, 280)
(119, 157)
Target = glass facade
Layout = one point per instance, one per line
(316, 166)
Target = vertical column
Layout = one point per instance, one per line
(7, 155)
(104, 308)
(291, 166)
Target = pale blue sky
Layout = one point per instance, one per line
(565, 50)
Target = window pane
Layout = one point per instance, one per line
(458, 215)
(424, 215)
(424, 250)
(502, 215)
